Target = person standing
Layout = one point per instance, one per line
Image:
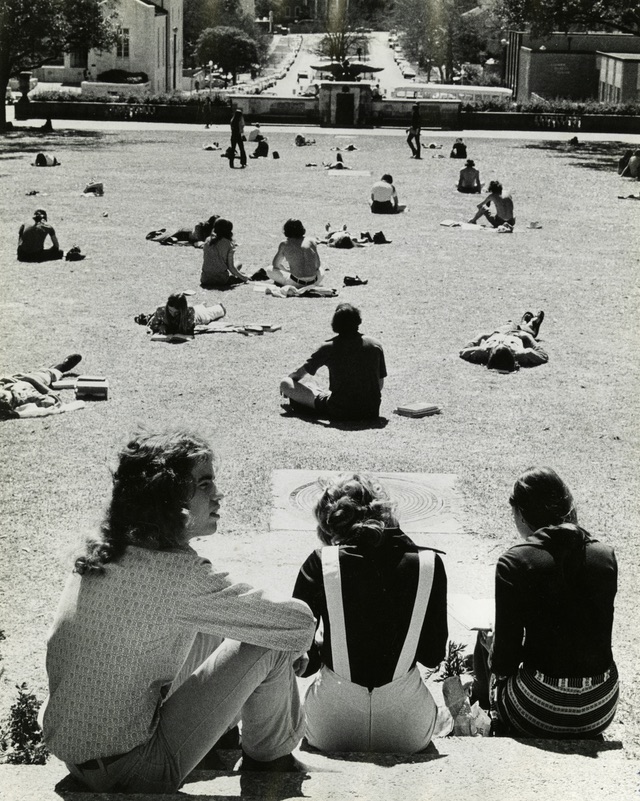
(237, 137)
(413, 133)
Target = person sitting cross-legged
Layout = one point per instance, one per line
(154, 653)
(382, 602)
(296, 262)
(31, 239)
(384, 198)
(469, 179)
(508, 347)
(356, 373)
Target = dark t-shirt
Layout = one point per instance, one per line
(356, 365)
(378, 593)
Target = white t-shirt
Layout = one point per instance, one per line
(382, 192)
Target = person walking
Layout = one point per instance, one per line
(237, 138)
(413, 133)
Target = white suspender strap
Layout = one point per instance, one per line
(421, 601)
(335, 610)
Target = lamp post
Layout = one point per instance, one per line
(175, 52)
(504, 43)
(210, 76)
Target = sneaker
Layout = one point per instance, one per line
(380, 239)
(353, 280)
(69, 363)
(284, 764)
(260, 275)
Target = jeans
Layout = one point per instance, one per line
(237, 680)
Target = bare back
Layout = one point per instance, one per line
(301, 256)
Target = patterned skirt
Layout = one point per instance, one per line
(534, 705)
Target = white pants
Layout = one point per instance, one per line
(283, 278)
(399, 717)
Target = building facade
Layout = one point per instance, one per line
(619, 77)
(150, 40)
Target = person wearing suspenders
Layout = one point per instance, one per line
(380, 603)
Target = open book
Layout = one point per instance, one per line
(472, 613)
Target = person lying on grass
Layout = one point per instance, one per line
(177, 317)
(31, 239)
(508, 347)
(341, 238)
(356, 373)
(21, 389)
(218, 266)
(154, 653)
(195, 236)
(503, 204)
(296, 262)
(382, 602)
(553, 672)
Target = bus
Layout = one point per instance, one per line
(451, 91)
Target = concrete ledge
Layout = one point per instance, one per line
(453, 769)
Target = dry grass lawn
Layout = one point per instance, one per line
(429, 292)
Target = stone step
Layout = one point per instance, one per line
(453, 769)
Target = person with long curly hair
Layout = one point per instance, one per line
(381, 602)
(176, 316)
(553, 670)
(154, 653)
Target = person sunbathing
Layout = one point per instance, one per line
(296, 262)
(31, 239)
(509, 347)
(338, 164)
(341, 238)
(195, 236)
(21, 389)
(503, 204)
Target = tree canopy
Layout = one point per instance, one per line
(33, 32)
(228, 47)
(544, 16)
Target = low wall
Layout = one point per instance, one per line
(433, 113)
(522, 121)
(193, 113)
(271, 108)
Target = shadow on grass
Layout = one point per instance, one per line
(342, 425)
(34, 140)
(600, 156)
(429, 754)
(587, 748)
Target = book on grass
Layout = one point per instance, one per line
(66, 382)
(473, 613)
(418, 409)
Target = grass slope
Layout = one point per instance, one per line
(429, 292)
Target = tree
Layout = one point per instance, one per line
(545, 16)
(33, 32)
(202, 14)
(230, 48)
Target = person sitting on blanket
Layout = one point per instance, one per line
(31, 239)
(356, 373)
(218, 267)
(508, 347)
(20, 389)
(469, 180)
(195, 236)
(296, 262)
(382, 601)
(177, 317)
(384, 198)
(503, 204)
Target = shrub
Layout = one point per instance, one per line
(21, 738)
(555, 106)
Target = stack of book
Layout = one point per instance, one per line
(418, 409)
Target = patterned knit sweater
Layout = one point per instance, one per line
(119, 640)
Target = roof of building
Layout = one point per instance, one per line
(159, 10)
(621, 56)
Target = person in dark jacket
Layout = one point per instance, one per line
(237, 137)
(553, 672)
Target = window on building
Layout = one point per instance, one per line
(122, 46)
(79, 58)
